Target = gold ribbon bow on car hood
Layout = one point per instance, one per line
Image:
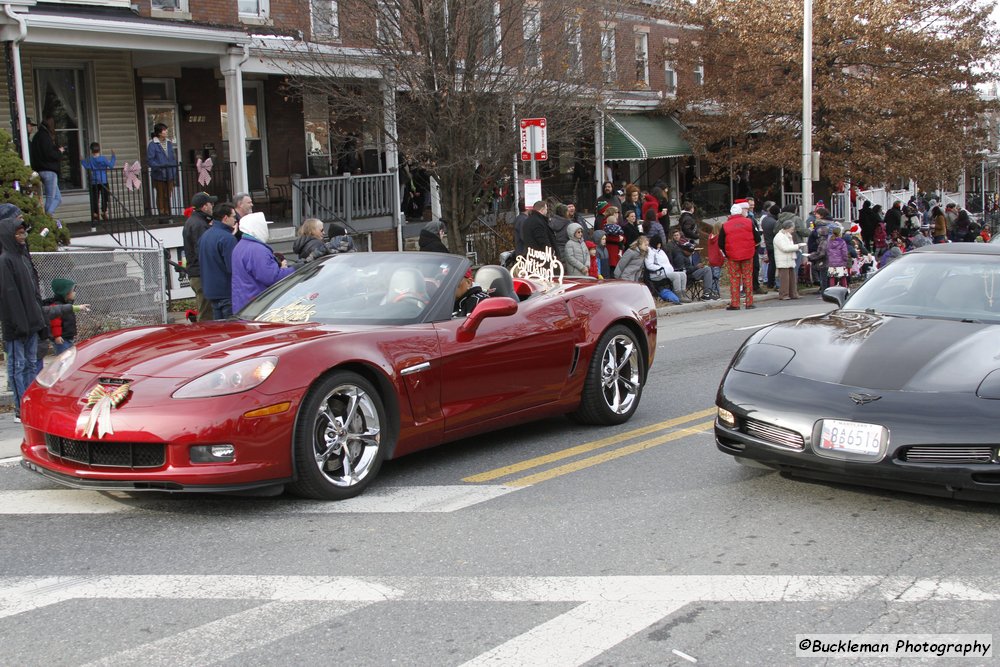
(102, 400)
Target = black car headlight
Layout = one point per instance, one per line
(763, 359)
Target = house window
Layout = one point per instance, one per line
(532, 36)
(669, 77)
(387, 21)
(325, 19)
(64, 94)
(316, 114)
(170, 5)
(642, 59)
(608, 54)
(574, 54)
(254, 9)
(699, 74)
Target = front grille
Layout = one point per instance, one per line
(108, 454)
(937, 454)
(776, 435)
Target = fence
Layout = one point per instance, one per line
(487, 238)
(345, 199)
(133, 194)
(123, 287)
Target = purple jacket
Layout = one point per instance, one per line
(837, 253)
(254, 270)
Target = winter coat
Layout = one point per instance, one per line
(678, 259)
(309, 248)
(769, 227)
(603, 259)
(194, 227)
(630, 266)
(786, 250)
(255, 268)
(738, 238)
(560, 231)
(45, 155)
(837, 254)
(800, 232)
(20, 306)
(893, 220)
(537, 233)
(818, 256)
(940, 226)
(649, 203)
(656, 229)
(161, 160)
(64, 324)
(615, 238)
(97, 167)
(715, 257)
(215, 254)
(689, 226)
(430, 238)
(575, 256)
(631, 233)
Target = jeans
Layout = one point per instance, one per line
(716, 274)
(222, 309)
(59, 348)
(20, 366)
(50, 182)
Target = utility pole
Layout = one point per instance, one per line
(807, 128)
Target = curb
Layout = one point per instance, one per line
(695, 306)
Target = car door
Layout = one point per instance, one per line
(513, 363)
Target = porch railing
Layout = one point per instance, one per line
(345, 199)
(136, 193)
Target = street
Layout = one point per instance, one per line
(546, 544)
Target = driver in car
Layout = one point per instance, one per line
(467, 296)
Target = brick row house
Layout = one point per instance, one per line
(215, 72)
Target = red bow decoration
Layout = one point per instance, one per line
(131, 173)
(204, 171)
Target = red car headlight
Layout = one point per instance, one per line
(57, 369)
(231, 379)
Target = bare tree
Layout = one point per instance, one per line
(462, 73)
(894, 85)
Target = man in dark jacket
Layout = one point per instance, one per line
(679, 251)
(769, 227)
(46, 157)
(432, 237)
(21, 314)
(893, 218)
(194, 227)
(559, 224)
(536, 231)
(215, 255)
(687, 223)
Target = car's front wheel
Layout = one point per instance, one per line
(613, 386)
(340, 438)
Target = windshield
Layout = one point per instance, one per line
(358, 288)
(936, 285)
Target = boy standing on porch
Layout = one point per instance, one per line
(97, 167)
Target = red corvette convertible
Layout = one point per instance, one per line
(348, 362)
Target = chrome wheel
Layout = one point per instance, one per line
(346, 435)
(620, 374)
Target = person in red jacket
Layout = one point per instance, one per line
(594, 271)
(615, 237)
(715, 259)
(738, 240)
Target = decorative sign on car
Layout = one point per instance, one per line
(539, 266)
(296, 312)
(102, 400)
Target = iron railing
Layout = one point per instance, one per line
(136, 196)
(345, 199)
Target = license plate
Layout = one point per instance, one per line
(853, 437)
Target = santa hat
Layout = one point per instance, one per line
(855, 229)
(743, 203)
(736, 209)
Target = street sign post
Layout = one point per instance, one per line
(534, 142)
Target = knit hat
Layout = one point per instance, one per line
(9, 211)
(61, 287)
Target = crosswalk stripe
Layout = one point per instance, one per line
(230, 636)
(576, 637)
(386, 499)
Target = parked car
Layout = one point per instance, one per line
(350, 361)
(898, 388)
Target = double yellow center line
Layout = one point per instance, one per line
(597, 459)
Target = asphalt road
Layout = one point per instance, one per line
(550, 544)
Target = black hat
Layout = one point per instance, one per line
(203, 198)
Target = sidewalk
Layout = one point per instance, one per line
(11, 435)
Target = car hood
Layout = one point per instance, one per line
(181, 351)
(889, 353)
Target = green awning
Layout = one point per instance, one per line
(641, 137)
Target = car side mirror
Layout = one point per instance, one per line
(837, 295)
(496, 306)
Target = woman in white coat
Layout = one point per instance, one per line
(785, 252)
(575, 256)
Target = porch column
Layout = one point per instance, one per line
(392, 156)
(599, 153)
(12, 39)
(231, 65)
